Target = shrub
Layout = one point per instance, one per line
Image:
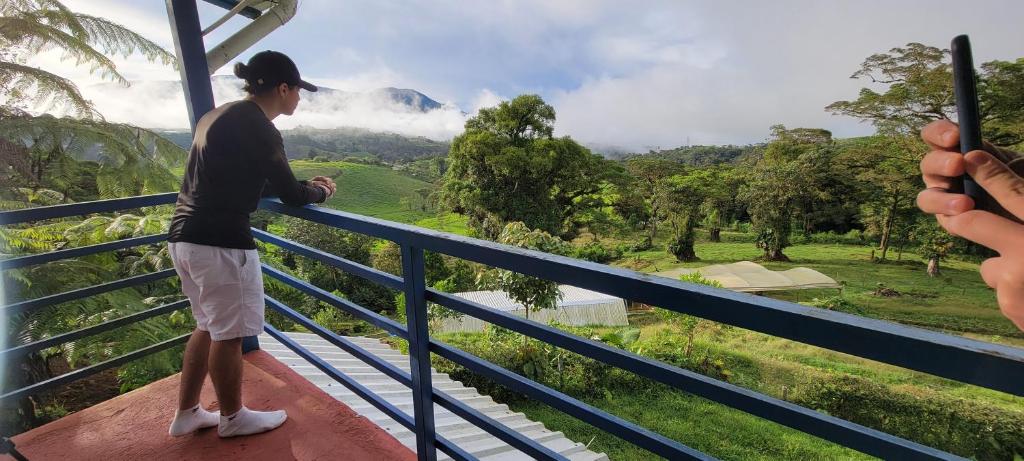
(959, 426)
(853, 237)
(594, 251)
(837, 303)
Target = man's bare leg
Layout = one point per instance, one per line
(193, 369)
(190, 416)
(226, 374)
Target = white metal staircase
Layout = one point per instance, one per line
(471, 438)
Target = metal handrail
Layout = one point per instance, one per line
(26, 306)
(990, 365)
(975, 362)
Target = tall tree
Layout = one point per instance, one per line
(886, 168)
(507, 166)
(720, 203)
(647, 173)
(782, 185)
(918, 84)
(681, 197)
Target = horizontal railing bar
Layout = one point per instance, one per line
(92, 369)
(470, 414)
(625, 430)
(368, 273)
(970, 361)
(363, 392)
(31, 260)
(29, 348)
(77, 209)
(356, 310)
(837, 430)
(23, 306)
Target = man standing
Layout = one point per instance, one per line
(237, 156)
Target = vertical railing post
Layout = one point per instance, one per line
(195, 72)
(419, 351)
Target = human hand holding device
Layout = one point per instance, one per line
(976, 192)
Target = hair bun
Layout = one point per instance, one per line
(241, 70)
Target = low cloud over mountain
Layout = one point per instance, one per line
(161, 104)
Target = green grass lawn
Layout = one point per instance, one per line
(957, 301)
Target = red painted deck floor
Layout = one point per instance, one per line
(134, 426)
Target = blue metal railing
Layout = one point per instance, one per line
(969, 361)
(28, 306)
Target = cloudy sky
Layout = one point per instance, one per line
(640, 74)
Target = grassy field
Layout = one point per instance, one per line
(368, 189)
(957, 301)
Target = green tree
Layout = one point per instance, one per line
(533, 293)
(646, 174)
(681, 197)
(886, 168)
(788, 182)
(919, 89)
(349, 245)
(41, 157)
(507, 166)
(720, 202)
(935, 243)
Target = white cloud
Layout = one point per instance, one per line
(161, 104)
(622, 73)
(484, 99)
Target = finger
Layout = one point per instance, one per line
(941, 135)
(938, 201)
(998, 180)
(1011, 301)
(940, 167)
(982, 227)
(991, 269)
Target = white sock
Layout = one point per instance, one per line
(188, 421)
(247, 422)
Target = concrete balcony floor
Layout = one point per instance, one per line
(134, 426)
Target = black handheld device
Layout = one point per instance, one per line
(966, 90)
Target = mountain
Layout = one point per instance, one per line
(340, 143)
(411, 98)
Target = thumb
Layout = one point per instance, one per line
(998, 180)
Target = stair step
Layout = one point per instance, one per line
(493, 447)
(469, 437)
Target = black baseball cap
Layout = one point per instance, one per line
(272, 68)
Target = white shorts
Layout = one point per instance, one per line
(224, 286)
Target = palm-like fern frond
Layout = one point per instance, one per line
(117, 39)
(21, 83)
(132, 160)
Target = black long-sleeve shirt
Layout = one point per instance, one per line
(237, 157)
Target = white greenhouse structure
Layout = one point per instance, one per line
(576, 307)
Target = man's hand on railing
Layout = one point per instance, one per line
(326, 183)
(956, 213)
